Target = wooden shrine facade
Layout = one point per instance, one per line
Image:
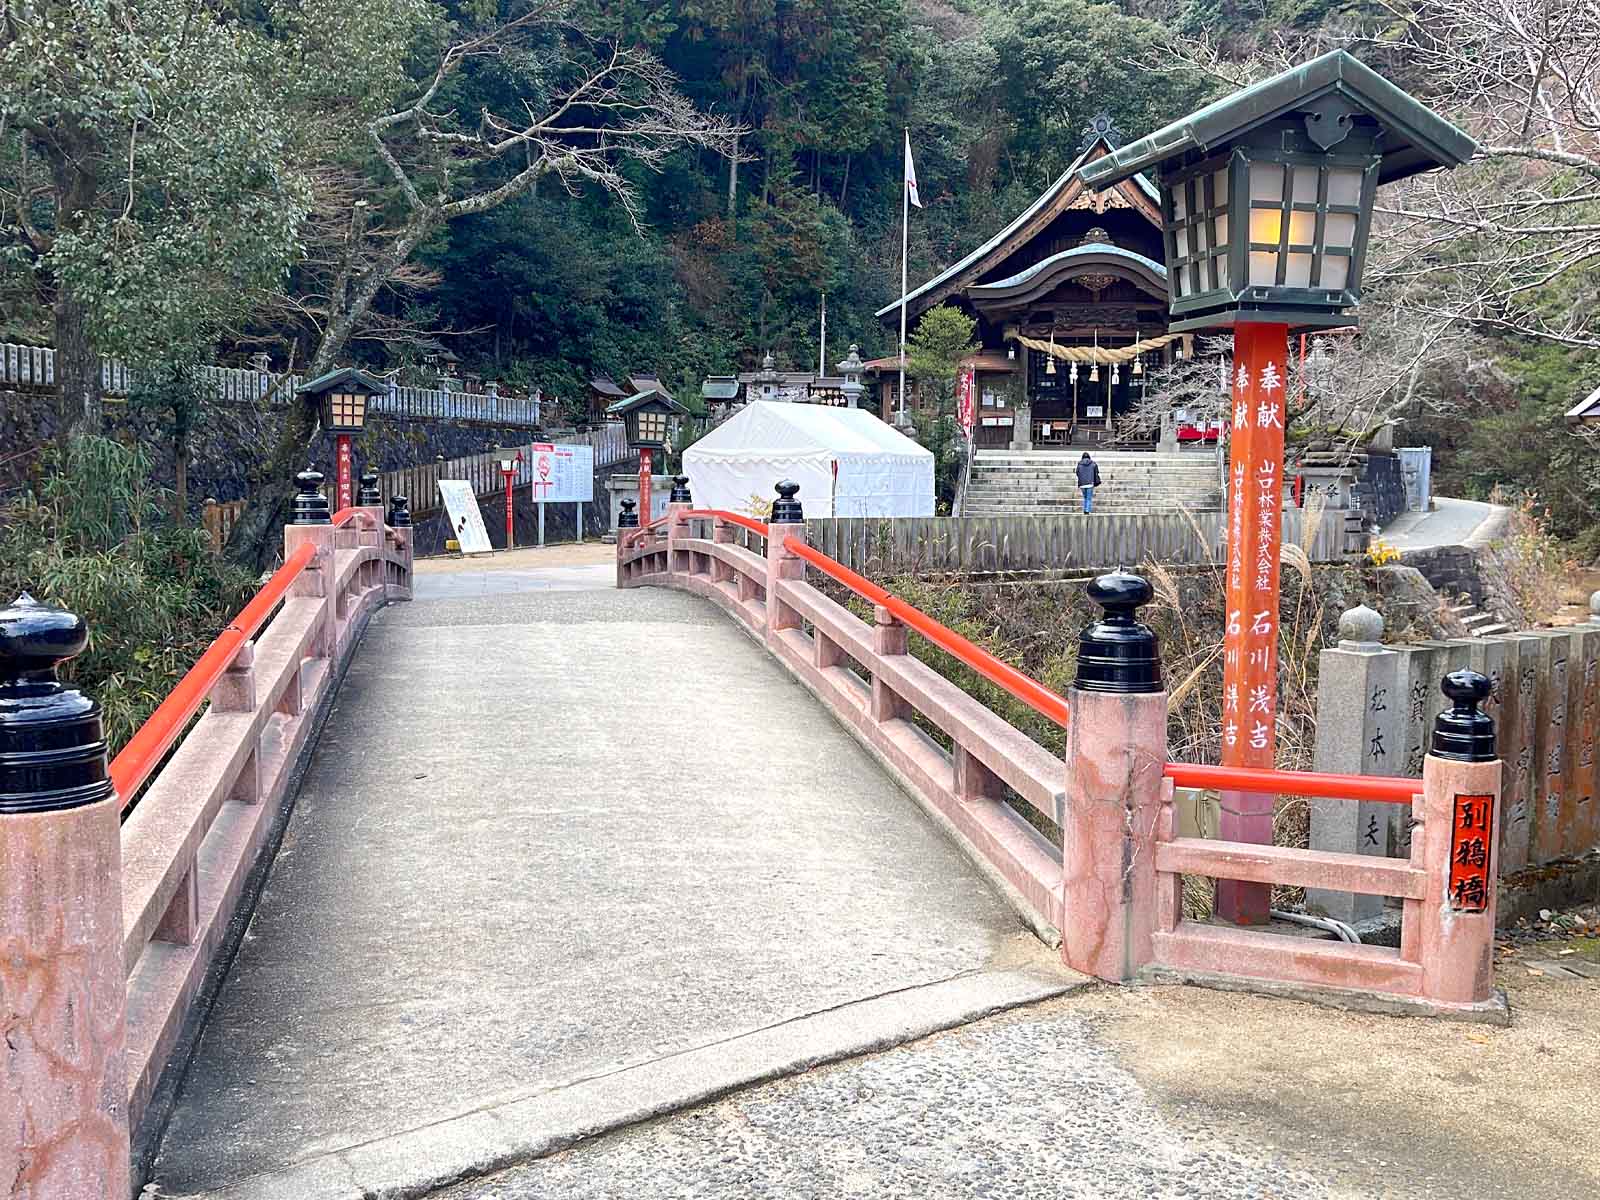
(1079, 269)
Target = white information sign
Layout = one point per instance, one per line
(561, 474)
(466, 521)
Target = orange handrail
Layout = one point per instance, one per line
(345, 515)
(750, 523)
(134, 763)
(1003, 675)
(1393, 789)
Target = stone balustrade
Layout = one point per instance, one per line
(110, 927)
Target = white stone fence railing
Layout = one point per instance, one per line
(32, 368)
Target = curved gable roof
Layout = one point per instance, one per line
(1055, 199)
(1028, 284)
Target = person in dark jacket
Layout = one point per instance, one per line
(1088, 480)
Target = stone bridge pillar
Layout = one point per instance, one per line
(788, 521)
(1116, 789)
(63, 994)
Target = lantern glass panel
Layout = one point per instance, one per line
(1339, 230)
(1263, 268)
(1266, 225)
(1266, 181)
(1305, 185)
(348, 409)
(1297, 271)
(1344, 186)
(1302, 228)
(1335, 271)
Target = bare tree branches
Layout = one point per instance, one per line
(589, 111)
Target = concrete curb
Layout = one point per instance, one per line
(419, 1161)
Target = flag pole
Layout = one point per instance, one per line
(822, 341)
(905, 243)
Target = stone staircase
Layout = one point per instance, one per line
(1008, 483)
(1478, 622)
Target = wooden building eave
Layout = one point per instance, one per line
(1067, 192)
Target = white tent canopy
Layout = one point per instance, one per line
(847, 462)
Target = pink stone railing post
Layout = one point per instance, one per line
(1460, 811)
(724, 533)
(63, 997)
(679, 502)
(1116, 792)
(788, 521)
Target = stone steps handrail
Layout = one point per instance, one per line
(1110, 891)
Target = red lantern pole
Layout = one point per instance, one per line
(346, 491)
(1250, 640)
(644, 487)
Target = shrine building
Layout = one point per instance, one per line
(1070, 301)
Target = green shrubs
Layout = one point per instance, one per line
(94, 540)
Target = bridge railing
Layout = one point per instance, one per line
(1108, 890)
(118, 882)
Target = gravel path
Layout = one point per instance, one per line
(1031, 1105)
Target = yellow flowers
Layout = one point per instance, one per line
(1381, 554)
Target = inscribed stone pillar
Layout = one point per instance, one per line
(1022, 427)
(1358, 732)
(1499, 660)
(1551, 806)
(1521, 784)
(1584, 724)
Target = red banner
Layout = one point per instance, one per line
(966, 405)
(1471, 852)
(346, 469)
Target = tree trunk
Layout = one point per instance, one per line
(180, 488)
(77, 370)
(733, 178)
(256, 542)
(844, 187)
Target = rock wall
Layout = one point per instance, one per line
(233, 442)
(1478, 573)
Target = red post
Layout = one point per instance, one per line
(1250, 641)
(346, 492)
(644, 487)
(510, 477)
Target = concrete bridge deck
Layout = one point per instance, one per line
(602, 857)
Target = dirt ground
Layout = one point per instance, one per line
(1382, 1106)
(524, 558)
(1575, 598)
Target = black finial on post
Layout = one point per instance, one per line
(786, 509)
(1119, 653)
(399, 514)
(629, 519)
(52, 746)
(1464, 733)
(680, 491)
(369, 496)
(310, 505)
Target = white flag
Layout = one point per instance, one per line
(911, 175)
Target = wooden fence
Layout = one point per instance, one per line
(32, 368)
(1041, 543)
(219, 520)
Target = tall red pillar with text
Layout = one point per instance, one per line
(1250, 641)
(644, 486)
(347, 496)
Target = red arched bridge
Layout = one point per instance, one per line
(382, 896)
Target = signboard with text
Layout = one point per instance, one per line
(560, 474)
(466, 521)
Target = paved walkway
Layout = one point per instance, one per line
(1450, 523)
(567, 857)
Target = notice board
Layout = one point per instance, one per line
(466, 521)
(561, 474)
